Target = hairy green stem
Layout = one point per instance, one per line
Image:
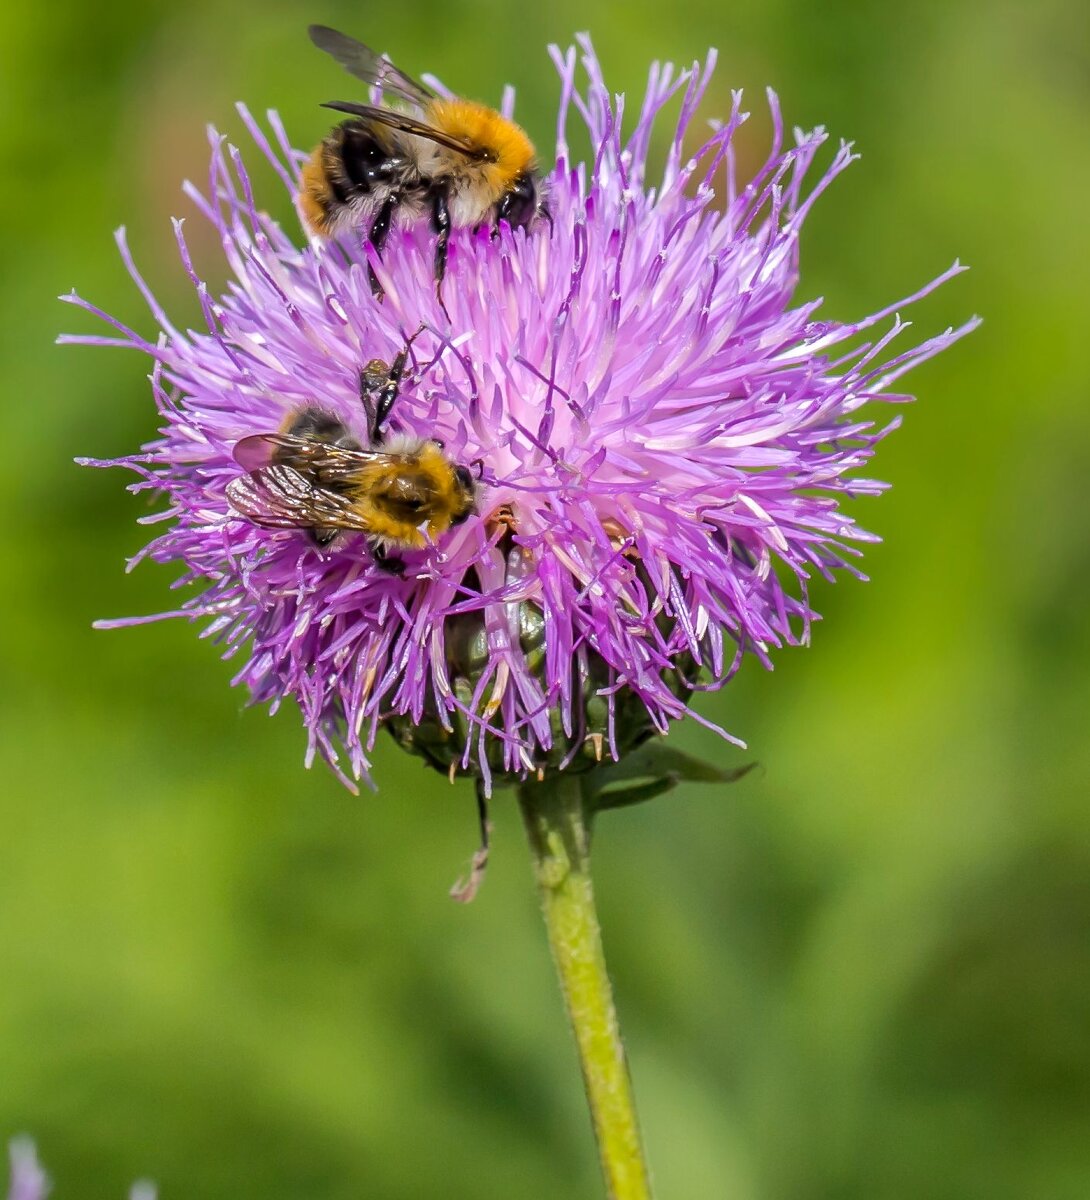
(556, 824)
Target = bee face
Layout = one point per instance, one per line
(465, 495)
(519, 205)
(450, 161)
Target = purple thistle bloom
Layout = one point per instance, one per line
(663, 438)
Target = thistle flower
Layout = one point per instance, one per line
(664, 438)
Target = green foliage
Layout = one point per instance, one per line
(860, 973)
(652, 770)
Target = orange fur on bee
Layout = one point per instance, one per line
(509, 151)
(315, 197)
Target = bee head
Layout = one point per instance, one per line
(519, 203)
(466, 494)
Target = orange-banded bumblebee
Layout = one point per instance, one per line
(314, 475)
(451, 161)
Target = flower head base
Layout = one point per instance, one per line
(663, 441)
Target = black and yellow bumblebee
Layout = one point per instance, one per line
(313, 474)
(452, 162)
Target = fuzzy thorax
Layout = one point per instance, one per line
(507, 151)
(410, 496)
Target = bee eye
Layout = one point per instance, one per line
(464, 479)
(518, 205)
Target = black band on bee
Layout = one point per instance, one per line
(340, 193)
(366, 161)
(315, 424)
(311, 422)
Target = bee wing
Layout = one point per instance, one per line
(361, 61)
(324, 463)
(257, 451)
(280, 497)
(407, 124)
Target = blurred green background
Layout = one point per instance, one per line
(862, 972)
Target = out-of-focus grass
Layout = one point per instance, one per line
(862, 972)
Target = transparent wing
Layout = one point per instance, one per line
(280, 497)
(257, 451)
(361, 61)
(322, 462)
(407, 124)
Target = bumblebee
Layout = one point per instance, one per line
(453, 162)
(314, 475)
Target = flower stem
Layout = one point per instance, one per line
(556, 824)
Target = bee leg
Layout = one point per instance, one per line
(440, 223)
(393, 566)
(380, 228)
(465, 890)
